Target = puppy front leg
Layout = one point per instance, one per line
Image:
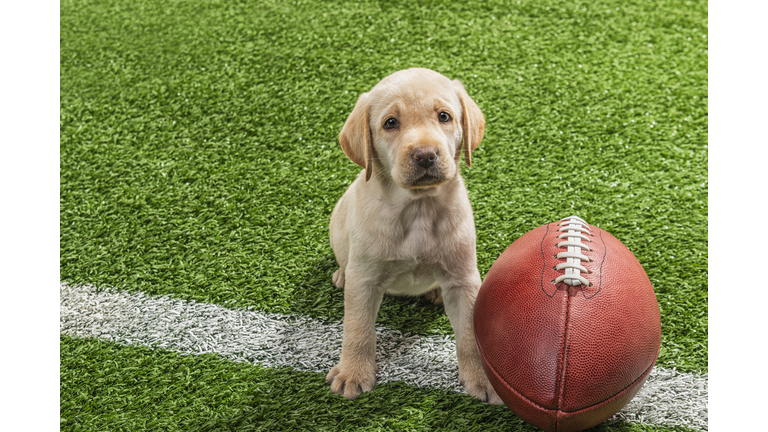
(356, 371)
(459, 302)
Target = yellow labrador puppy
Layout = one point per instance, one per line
(405, 225)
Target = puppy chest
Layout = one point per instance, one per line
(409, 279)
(423, 238)
(420, 246)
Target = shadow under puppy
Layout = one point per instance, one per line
(405, 225)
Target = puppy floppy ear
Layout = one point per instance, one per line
(472, 122)
(355, 137)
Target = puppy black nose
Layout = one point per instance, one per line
(425, 157)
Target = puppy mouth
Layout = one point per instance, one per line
(427, 180)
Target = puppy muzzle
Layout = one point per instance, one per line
(426, 168)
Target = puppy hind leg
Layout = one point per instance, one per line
(435, 295)
(338, 278)
(339, 237)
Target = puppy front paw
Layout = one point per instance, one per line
(350, 381)
(477, 385)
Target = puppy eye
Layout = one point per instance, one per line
(391, 123)
(444, 117)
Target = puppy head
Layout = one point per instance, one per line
(413, 124)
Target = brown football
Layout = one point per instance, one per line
(567, 325)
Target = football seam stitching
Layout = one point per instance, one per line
(544, 263)
(605, 255)
(561, 366)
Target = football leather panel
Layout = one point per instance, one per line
(614, 336)
(556, 420)
(535, 414)
(596, 414)
(532, 326)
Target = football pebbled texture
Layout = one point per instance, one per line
(568, 326)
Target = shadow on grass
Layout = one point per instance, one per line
(318, 297)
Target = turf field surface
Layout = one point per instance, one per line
(199, 155)
(668, 398)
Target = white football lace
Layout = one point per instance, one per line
(573, 229)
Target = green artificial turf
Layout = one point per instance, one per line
(116, 388)
(199, 153)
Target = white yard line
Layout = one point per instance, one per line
(669, 398)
